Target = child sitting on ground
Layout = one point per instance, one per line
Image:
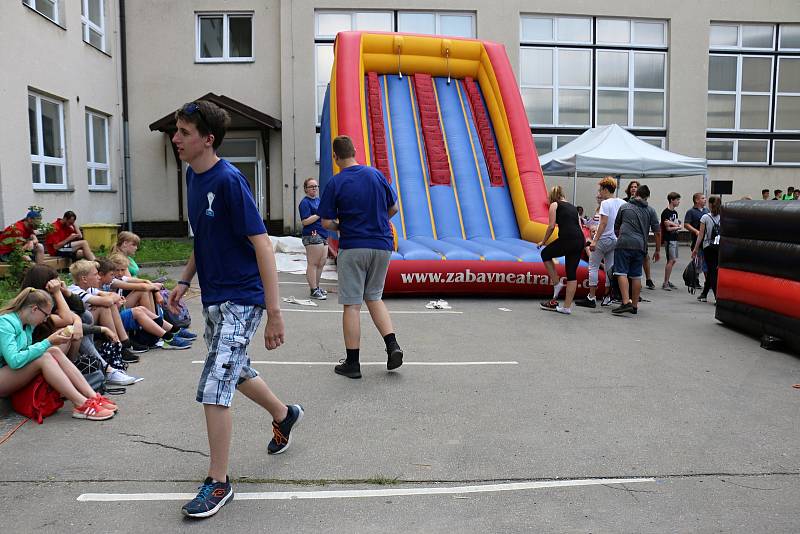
(103, 304)
(127, 245)
(137, 291)
(21, 360)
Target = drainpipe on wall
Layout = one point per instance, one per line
(126, 142)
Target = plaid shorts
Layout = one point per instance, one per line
(229, 329)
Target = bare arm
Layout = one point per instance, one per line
(309, 220)
(179, 290)
(599, 232)
(551, 223)
(700, 235)
(393, 210)
(330, 224)
(265, 256)
(691, 228)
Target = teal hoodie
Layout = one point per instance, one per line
(16, 349)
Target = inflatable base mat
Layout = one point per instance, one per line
(759, 322)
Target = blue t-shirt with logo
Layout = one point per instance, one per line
(360, 197)
(222, 213)
(308, 207)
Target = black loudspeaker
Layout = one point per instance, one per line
(721, 187)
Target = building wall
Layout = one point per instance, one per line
(53, 60)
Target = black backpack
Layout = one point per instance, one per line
(690, 274)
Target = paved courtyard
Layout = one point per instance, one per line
(703, 423)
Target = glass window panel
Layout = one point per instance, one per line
(100, 177)
(374, 21)
(757, 74)
(722, 73)
(790, 36)
(573, 107)
(95, 39)
(760, 36)
(648, 33)
(648, 71)
(324, 62)
(538, 105)
(648, 109)
(613, 31)
(655, 141)
(87, 123)
(238, 148)
(574, 30)
(612, 108)
(417, 23)
(94, 12)
(320, 101)
(36, 173)
(329, 24)
(99, 130)
(240, 36)
(719, 150)
(47, 8)
(536, 66)
(754, 113)
(248, 169)
(574, 67)
(211, 36)
(90, 176)
(562, 140)
(32, 125)
(51, 129)
(537, 29)
(52, 174)
(789, 75)
(786, 151)
(724, 35)
(787, 113)
(721, 111)
(544, 144)
(752, 151)
(612, 69)
(456, 25)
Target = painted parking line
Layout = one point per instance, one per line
(422, 364)
(351, 494)
(391, 312)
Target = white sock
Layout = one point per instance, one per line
(589, 297)
(557, 289)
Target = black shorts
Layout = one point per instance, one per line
(571, 249)
(67, 252)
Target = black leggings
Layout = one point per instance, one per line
(711, 254)
(571, 249)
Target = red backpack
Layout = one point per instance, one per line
(37, 400)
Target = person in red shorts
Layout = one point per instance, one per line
(67, 240)
(21, 233)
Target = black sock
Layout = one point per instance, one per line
(175, 329)
(159, 321)
(390, 340)
(126, 344)
(352, 355)
(167, 336)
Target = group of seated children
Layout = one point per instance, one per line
(106, 316)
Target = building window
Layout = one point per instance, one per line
(97, 168)
(48, 8)
(93, 22)
(437, 23)
(48, 161)
(753, 115)
(224, 37)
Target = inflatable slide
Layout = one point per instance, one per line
(443, 120)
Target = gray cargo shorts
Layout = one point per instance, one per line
(362, 272)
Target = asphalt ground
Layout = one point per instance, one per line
(669, 395)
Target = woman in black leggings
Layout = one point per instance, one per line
(569, 244)
(709, 240)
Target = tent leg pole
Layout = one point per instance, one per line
(574, 187)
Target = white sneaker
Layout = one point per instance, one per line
(118, 377)
(565, 311)
(160, 344)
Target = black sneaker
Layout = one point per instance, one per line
(128, 356)
(624, 308)
(650, 284)
(282, 437)
(586, 303)
(211, 497)
(138, 348)
(350, 370)
(394, 357)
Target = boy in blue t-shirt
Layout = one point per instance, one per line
(358, 202)
(235, 264)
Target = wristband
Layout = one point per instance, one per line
(184, 283)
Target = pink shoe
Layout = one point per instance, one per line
(92, 410)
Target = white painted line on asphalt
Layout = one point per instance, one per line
(455, 364)
(391, 312)
(345, 494)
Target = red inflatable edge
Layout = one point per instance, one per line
(778, 295)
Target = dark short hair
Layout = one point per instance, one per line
(696, 196)
(105, 265)
(643, 192)
(207, 117)
(764, 191)
(777, 192)
(343, 147)
(69, 215)
(673, 196)
(790, 189)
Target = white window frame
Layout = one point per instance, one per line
(556, 87)
(739, 34)
(88, 25)
(632, 26)
(353, 14)
(735, 160)
(662, 140)
(56, 8)
(92, 165)
(318, 83)
(780, 31)
(226, 57)
(437, 19)
(632, 89)
(778, 93)
(786, 163)
(41, 159)
(738, 94)
(554, 20)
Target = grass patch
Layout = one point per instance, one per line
(155, 250)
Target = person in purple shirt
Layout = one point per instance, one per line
(358, 203)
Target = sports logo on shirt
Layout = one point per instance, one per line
(210, 196)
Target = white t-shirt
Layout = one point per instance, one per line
(84, 294)
(609, 207)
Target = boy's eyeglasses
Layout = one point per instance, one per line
(312, 187)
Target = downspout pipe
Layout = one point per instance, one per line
(126, 140)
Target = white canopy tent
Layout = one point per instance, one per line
(612, 150)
